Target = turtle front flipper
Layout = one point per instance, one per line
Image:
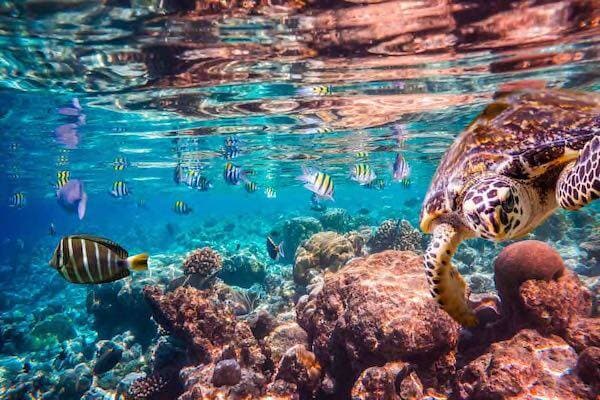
(579, 182)
(446, 284)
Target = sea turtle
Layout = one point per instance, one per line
(527, 153)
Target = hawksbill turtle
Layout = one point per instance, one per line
(528, 153)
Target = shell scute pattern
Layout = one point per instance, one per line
(522, 135)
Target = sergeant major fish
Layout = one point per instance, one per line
(92, 259)
(181, 207)
(17, 200)
(233, 175)
(317, 182)
(119, 189)
(270, 193)
(363, 174)
(401, 170)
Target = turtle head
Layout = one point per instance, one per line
(494, 208)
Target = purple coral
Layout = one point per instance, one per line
(205, 262)
(147, 388)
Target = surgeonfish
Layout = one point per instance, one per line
(233, 175)
(401, 170)
(92, 259)
(73, 197)
(120, 163)
(62, 177)
(250, 187)
(270, 193)
(275, 250)
(181, 207)
(317, 182)
(17, 200)
(119, 189)
(362, 173)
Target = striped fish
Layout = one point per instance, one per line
(317, 182)
(92, 259)
(181, 207)
(271, 193)
(275, 250)
(62, 177)
(376, 184)
(232, 174)
(319, 90)
(401, 170)
(231, 141)
(231, 152)
(197, 181)
(120, 163)
(250, 187)
(119, 189)
(17, 200)
(362, 173)
(362, 154)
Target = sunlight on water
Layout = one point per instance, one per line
(145, 103)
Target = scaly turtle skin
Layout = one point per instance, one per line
(526, 154)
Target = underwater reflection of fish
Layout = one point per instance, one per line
(401, 170)
(199, 182)
(275, 250)
(362, 173)
(92, 259)
(74, 110)
(270, 193)
(318, 90)
(17, 200)
(141, 203)
(67, 135)
(107, 357)
(231, 152)
(400, 135)
(120, 189)
(317, 182)
(233, 175)
(316, 204)
(52, 229)
(180, 207)
(73, 197)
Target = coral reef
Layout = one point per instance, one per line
(396, 235)
(243, 269)
(375, 310)
(295, 230)
(323, 251)
(201, 267)
(337, 220)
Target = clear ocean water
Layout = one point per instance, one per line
(163, 86)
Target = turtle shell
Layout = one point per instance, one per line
(526, 135)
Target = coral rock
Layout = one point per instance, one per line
(527, 366)
(297, 230)
(552, 306)
(283, 338)
(197, 318)
(148, 388)
(201, 266)
(379, 383)
(323, 251)
(588, 366)
(300, 367)
(243, 269)
(227, 373)
(515, 265)
(583, 332)
(396, 235)
(375, 310)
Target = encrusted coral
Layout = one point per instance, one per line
(323, 251)
(296, 230)
(205, 262)
(147, 388)
(396, 235)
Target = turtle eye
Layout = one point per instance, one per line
(509, 203)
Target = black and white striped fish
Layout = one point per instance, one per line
(233, 175)
(317, 182)
(92, 259)
(401, 170)
(362, 173)
(17, 200)
(181, 207)
(119, 189)
(251, 187)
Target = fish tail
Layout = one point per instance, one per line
(139, 262)
(446, 284)
(281, 253)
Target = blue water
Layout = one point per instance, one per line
(160, 86)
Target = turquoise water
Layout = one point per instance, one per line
(161, 85)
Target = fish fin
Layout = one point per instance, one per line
(81, 207)
(310, 187)
(121, 252)
(139, 262)
(281, 253)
